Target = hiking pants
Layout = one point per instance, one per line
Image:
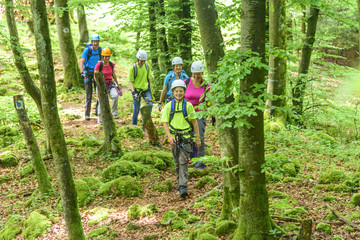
(202, 124)
(114, 95)
(88, 82)
(181, 164)
(148, 100)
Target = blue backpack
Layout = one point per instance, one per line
(89, 46)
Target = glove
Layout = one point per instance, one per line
(135, 95)
(213, 121)
(82, 75)
(159, 106)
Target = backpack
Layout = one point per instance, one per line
(184, 111)
(89, 46)
(135, 69)
(187, 81)
(102, 64)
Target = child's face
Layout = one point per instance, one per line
(177, 68)
(141, 62)
(179, 93)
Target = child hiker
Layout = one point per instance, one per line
(179, 121)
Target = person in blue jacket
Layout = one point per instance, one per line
(176, 73)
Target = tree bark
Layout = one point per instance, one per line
(299, 88)
(149, 126)
(83, 29)
(254, 220)
(31, 143)
(111, 142)
(358, 5)
(211, 40)
(153, 43)
(66, 44)
(164, 48)
(52, 122)
(185, 34)
(277, 61)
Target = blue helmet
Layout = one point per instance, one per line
(95, 36)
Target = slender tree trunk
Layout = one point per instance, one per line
(211, 40)
(277, 60)
(164, 49)
(20, 63)
(31, 143)
(149, 126)
(185, 34)
(83, 29)
(153, 42)
(254, 219)
(111, 142)
(173, 13)
(299, 88)
(358, 5)
(52, 122)
(66, 44)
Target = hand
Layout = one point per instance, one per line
(135, 95)
(159, 106)
(82, 75)
(213, 121)
(172, 140)
(197, 144)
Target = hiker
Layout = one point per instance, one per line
(196, 89)
(176, 73)
(139, 81)
(87, 62)
(112, 85)
(178, 118)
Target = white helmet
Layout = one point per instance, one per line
(178, 83)
(197, 66)
(141, 55)
(177, 60)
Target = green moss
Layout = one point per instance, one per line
(84, 194)
(92, 182)
(204, 181)
(207, 236)
(8, 131)
(11, 228)
(90, 142)
(289, 169)
(165, 186)
(122, 168)
(11, 195)
(225, 227)
(294, 212)
(4, 179)
(159, 159)
(291, 179)
(100, 214)
(324, 227)
(98, 232)
(355, 199)
(277, 194)
(343, 188)
(27, 170)
(8, 160)
(195, 173)
(324, 139)
(290, 227)
(167, 215)
(332, 176)
(331, 217)
(193, 219)
(25, 180)
(328, 198)
(349, 229)
(35, 226)
(183, 214)
(270, 178)
(130, 132)
(125, 185)
(336, 237)
(132, 226)
(177, 223)
(208, 227)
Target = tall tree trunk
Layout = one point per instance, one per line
(277, 60)
(211, 40)
(52, 122)
(164, 49)
(66, 44)
(20, 63)
(185, 34)
(299, 88)
(173, 13)
(254, 219)
(83, 29)
(153, 44)
(358, 5)
(31, 143)
(111, 143)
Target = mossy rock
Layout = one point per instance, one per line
(207, 236)
(159, 160)
(332, 176)
(204, 181)
(324, 227)
(167, 215)
(4, 179)
(343, 188)
(294, 212)
(331, 217)
(193, 219)
(8, 160)
(324, 139)
(355, 199)
(184, 214)
(8, 131)
(225, 227)
(35, 226)
(132, 226)
(291, 179)
(290, 227)
(273, 126)
(84, 194)
(165, 186)
(208, 227)
(90, 142)
(27, 170)
(11, 228)
(100, 214)
(195, 173)
(93, 182)
(177, 223)
(122, 168)
(101, 231)
(271, 178)
(130, 132)
(277, 194)
(349, 229)
(328, 198)
(125, 185)
(289, 169)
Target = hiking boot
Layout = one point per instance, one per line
(87, 118)
(183, 192)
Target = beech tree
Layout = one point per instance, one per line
(185, 34)
(52, 122)
(83, 29)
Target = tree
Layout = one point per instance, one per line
(254, 220)
(156, 85)
(66, 44)
(185, 33)
(83, 29)
(52, 122)
(277, 60)
(358, 13)
(300, 86)
(212, 40)
(165, 65)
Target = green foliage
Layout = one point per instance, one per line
(125, 185)
(130, 132)
(355, 199)
(225, 227)
(195, 173)
(177, 223)
(35, 226)
(205, 181)
(183, 214)
(332, 176)
(280, 164)
(92, 182)
(98, 232)
(100, 214)
(90, 142)
(349, 229)
(136, 211)
(12, 227)
(331, 217)
(165, 186)
(132, 226)
(167, 215)
(8, 160)
(277, 194)
(4, 179)
(27, 170)
(294, 212)
(193, 219)
(324, 227)
(159, 160)
(123, 167)
(328, 198)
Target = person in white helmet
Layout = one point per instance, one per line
(176, 73)
(196, 90)
(178, 118)
(139, 81)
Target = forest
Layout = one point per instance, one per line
(276, 129)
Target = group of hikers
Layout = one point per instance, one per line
(182, 95)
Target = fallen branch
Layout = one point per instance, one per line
(341, 218)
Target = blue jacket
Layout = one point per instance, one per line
(170, 77)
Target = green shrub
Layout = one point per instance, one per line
(90, 142)
(324, 227)
(355, 199)
(165, 186)
(204, 181)
(332, 176)
(35, 226)
(11, 228)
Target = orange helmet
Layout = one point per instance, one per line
(106, 52)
